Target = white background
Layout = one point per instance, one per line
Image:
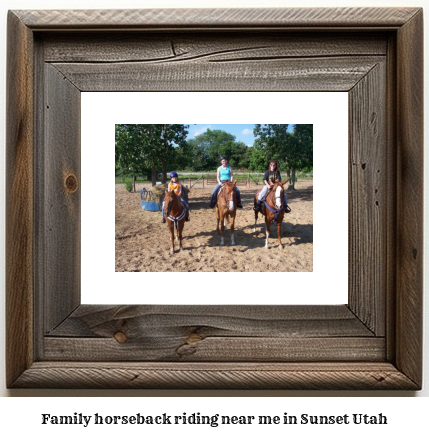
(328, 112)
(409, 414)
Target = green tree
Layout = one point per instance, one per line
(258, 161)
(210, 145)
(139, 147)
(292, 149)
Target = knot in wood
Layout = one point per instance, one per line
(120, 337)
(71, 183)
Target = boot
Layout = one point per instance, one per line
(257, 207)
(239, 205)
(213, 201)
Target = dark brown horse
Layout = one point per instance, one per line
(226, 209)
(273, 210)
(176, 214)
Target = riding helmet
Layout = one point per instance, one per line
(173, 174)
(223, 157)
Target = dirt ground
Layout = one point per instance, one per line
(142, 242)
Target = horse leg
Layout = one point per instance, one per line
(180, 230)
(267, 225)
(232, 230)
(256, 219)
(279, 234)
(218, 220)
(222, 226)
(171, 228)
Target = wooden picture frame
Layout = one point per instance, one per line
(373, 342)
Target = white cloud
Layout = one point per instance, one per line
(201, 130)
(247, 132)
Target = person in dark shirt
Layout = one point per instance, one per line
(271, 173)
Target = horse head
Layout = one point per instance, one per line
(169, 201)
(230, 194)
(279, 193)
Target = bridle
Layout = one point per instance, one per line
(281, 197)
(228, 200)
(276, 209)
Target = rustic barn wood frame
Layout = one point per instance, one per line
(373, 342)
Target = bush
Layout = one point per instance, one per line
(129, 185)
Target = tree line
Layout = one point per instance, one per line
(152, 148)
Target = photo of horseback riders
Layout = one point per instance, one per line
(188, 197)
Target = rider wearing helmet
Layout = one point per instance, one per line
(176, 186)
(224, 174)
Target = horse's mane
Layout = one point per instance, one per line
(173, 195)
(271, 195)
(230, 184)
(276, 185)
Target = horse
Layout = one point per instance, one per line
(274, 210)
(226, 209)
(176, 214)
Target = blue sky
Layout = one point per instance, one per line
(242, 132)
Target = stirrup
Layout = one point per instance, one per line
(240, 206)
(288, 209)
(258, 205)
(163, 220)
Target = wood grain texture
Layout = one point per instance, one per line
(99, 321)
(208, 18)
(373, 343)
(19, 200)
(213, 333)
(303, 74)
(341, 376)
(409, 264)
(200, 47)
(61, 207)
(178, 347)
(368, 202)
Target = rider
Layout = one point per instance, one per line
(224, 174)
(274, 173)
(176, 186)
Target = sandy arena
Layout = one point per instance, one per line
(142, 242)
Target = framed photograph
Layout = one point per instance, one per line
(374, 341)
(142, 242)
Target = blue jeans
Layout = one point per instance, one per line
(264, 191)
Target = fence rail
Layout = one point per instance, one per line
(208, 179)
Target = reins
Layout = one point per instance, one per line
(275, 211)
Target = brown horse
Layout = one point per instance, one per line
(226, 209)
(274, 210)
(176, 214)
